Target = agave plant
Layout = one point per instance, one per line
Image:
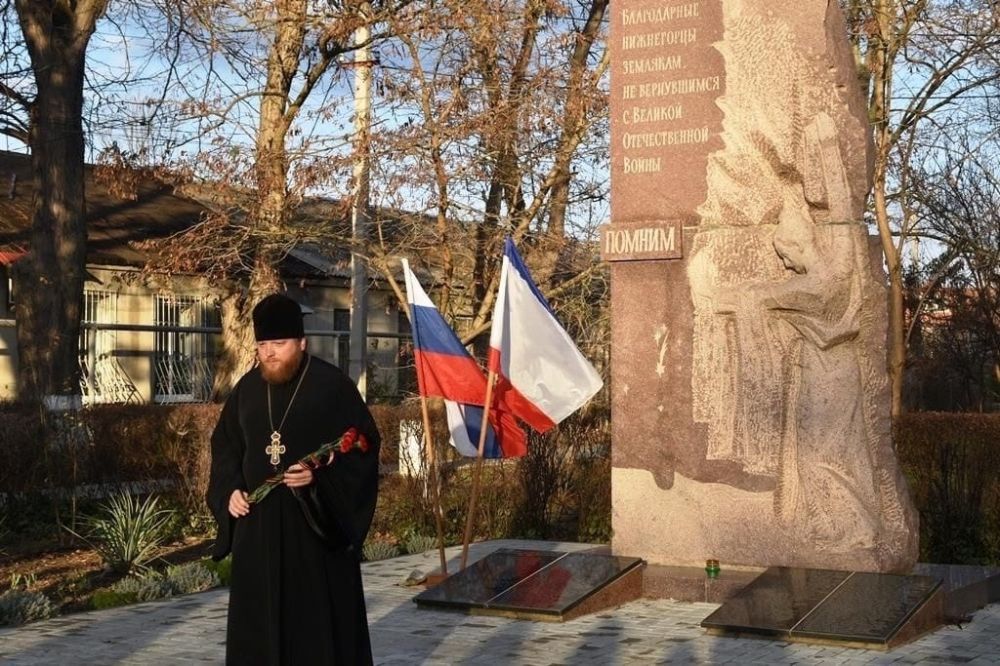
(127, 532)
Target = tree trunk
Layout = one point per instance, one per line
(896, 337)
(576, 104)
(238, 353)
(270, 214)
(237, 338)
(880, 58)
(50, 278)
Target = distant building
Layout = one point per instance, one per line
(155, 340)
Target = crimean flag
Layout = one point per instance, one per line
(541, 375)
(464, 422)
(445, 369)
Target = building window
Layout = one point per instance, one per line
(406, 377)
(342, 325)
(102, 378)
(100, 308)
(184, 355)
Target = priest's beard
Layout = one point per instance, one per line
(277, 371)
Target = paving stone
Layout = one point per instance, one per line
(191, 630)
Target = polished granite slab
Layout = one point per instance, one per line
(531, 581)
(823, 604)
(868, 607)
(776, 601)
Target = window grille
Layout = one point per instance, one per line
(342, 324)
(99, 307)
(184, 359)
(102, 378)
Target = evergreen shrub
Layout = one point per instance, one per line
(19, 607)
(143, 588)
(952, 465)
(419, 543)
(223, 569)
(191, 577)
(378, 549)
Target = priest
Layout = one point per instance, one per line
(296, 595)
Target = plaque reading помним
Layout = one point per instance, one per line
(641, 241)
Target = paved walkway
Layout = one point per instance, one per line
(190, 630)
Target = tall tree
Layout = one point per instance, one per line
(923, 63)
(271, 86)
(505, 117)
(50, 277)
(481, 109)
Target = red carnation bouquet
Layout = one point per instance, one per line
(351, 440)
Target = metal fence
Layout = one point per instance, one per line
(183, 362)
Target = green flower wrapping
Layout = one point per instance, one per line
(327, 454)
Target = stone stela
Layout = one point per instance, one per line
(749, 397)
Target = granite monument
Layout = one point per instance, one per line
(749, 392)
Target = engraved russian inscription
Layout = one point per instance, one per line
(656, 239)
(658, 57)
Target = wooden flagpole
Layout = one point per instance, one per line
(435, 495)
(477, 472)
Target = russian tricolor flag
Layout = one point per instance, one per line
(445, 369)
(541, 375)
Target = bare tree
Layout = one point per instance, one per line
(958, 206)
(272, 83)
(503, 108)
(923, 63)
(481, 110)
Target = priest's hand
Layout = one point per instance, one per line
(297, 476)
(238, 504)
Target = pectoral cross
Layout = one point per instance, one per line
(275, 449)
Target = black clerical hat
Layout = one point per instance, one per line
(277, 317)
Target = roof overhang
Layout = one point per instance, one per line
(8, 257)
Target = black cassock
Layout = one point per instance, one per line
(296, 595)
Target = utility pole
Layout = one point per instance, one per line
(360, 217)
